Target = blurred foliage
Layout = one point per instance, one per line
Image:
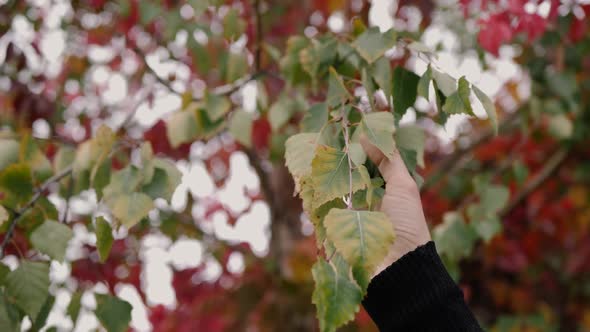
(510, 212)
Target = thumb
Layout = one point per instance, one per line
(391, 169)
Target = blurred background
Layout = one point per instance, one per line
(232, 250)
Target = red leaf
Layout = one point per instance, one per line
(577, 30)
(261, 133)
(494, 32)
(157, 136)
(533, 25)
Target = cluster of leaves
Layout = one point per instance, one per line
(127, 194)
(507, 240)
(329, 166)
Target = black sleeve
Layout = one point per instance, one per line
(416, 293)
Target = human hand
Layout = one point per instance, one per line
(401, 203)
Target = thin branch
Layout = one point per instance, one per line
(347, 143)
(451, 163)
(258, 45)
(222, 90)
(550, 167)
(18, 215)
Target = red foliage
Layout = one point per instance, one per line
(156, 135)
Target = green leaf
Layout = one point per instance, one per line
(41, 319)
(444, 82)
(372, 44)
(369, 87)
(337, 92)
(315, 118)
(290, 64)
(181, 127)
(104, 238)
(485, 226)
(317, 218)
(379, 128)
(217, 106)
(113, 313)
(3, 215)
(125, 180)
(423, 88)
(494, 197)
(63, 158)
(363, 238)
(129, 209)
(280, 112)
(32, 155)
(4, 271)
(560, 126)
(330, 175)
(236, 66)
(299, 152)
(73, 309)
(411, 138)
(356, 151)
(405, 85)
(381, 73)
(147, 165)
(458, 102)
(165, 181)
(488, 106)
(240, 126)
(336, 294)
(10, 150)
(17, 184)
(148, 12)
(51, 238)
(10, 318)
(454, 237)
(233, 25)
(520, 171)
(367, 181)
(28, 285)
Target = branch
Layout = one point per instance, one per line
(551, 166)
(258, 41)
(346, 142)
(222, 90)
(450, 164)
(18, 215)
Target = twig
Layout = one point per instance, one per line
(222, 90)
(347, 143)
(258, 46)
(451, 163)
(18, 215)
(550, 167)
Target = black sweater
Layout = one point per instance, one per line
(416, 293)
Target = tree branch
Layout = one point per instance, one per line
(550, 167)
(451, 163)
(258, 41)
(222, 90)
(18, 215)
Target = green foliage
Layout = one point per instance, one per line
(28, 285)
(104, 238)
(337, 295)
(52, 238)
(378, 127)
(362, 237)
(315, 119)
(113, 313)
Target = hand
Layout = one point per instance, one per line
(401, 203)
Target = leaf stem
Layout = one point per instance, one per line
(345, 124)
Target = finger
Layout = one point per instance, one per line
(393, 169)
